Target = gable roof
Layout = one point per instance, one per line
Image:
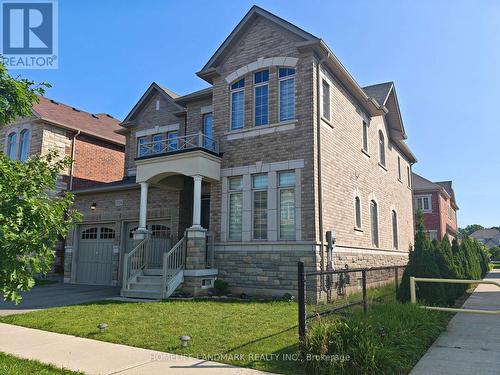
(486, 233)
(99, 125)
(242, 26)
(169, 95)
(420, 184)
(380, 91)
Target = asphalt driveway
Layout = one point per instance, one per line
(59, 294)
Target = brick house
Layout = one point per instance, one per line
(241, 180)
(438, 205)
(89, 139)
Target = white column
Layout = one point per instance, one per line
(144, 205)
(197, 202)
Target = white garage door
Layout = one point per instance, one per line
(95, 253)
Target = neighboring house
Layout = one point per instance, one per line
(438, 205)
(90, 139)
(489, 237)
(283, 146)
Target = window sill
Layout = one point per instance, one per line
(260, 130)
(365, 152)
(356, 229)
(326, 121)
(382, 166)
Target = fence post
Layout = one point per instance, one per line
(396, 269)
(301, 300)
(363, 279)
(413, 294)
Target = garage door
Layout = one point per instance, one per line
(95, 254)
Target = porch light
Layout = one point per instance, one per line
(102, 327)
(93, 206)
(185, 340)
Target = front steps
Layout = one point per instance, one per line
(149, 285)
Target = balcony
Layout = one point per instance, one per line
(175, 144)
(168, 155)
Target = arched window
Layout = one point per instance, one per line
(357, 211)
(394, 229)
(374, 222)
(381, 147)
(11, 145)
(24, 145)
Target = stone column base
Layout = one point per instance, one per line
(199, 282)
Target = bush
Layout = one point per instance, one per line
(388, 339)
(221, 287)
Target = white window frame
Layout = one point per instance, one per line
(231, 92)
(422, 197)
(323, 82)
(254, 190)
(382, 155)
(365, 131)
(280, 81)
(230, 193)
(255, 86)
(139, 145)
(279, 189)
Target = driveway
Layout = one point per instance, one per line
(59, 294)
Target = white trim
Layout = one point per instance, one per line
(260, 64)
(231, 92)
(202, 272)
(156, 129)
(280, 81)
(260, 130)
(422, 196)
(255, 86)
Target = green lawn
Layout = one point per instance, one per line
(228, 328)
(10, 365)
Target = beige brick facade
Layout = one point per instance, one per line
(268, 266)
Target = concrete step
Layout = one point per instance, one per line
(154, 287)
(149, 279)
(138, 293)
(153, 272)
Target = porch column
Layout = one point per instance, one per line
(197, 201)
(141, 232)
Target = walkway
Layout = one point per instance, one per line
(471, 343)
(97, 357)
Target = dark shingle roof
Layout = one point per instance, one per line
(379, 92)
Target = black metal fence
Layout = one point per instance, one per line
(322, 293)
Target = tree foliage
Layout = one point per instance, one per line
(440, 259)
(17, 96)
(32, 219)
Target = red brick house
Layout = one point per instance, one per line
(89, 139)
(438, 205)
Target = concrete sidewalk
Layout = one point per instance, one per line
(471, 343)
(97, 357)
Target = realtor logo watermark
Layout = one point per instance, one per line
(29, 34)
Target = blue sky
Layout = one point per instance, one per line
(443, 56)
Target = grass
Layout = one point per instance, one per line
(223, 329)
(10, 365)
(388, 339)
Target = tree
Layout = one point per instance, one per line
(422, 263)
(17, 96)
(469, 229)
(32, 218)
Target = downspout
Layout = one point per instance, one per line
(73, 151)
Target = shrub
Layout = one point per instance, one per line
(221, 287)
(388, 339)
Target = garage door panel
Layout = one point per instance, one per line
(95, 254)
